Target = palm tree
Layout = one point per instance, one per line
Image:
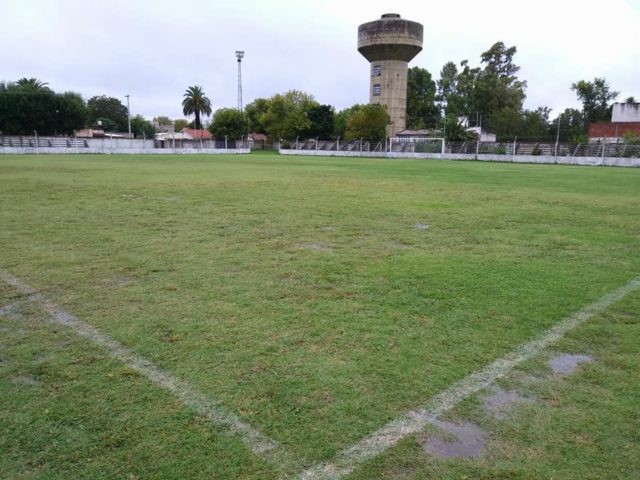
(195, 103)
(32, 85)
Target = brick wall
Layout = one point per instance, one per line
(612, 130)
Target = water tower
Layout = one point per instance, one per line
(389, 44)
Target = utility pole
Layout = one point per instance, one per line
(239, 56)
(128, 115)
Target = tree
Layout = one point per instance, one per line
(630, 100)
(164, 121)
(368, 122)
(141, 127)
(572, 126)
(28, 105)
(71, 113)
(230, 123)
(287, 115)
(509, 123)
(180, 124)
(498, 61)
(455, 131)
(254, 112)
(477, 92)
(322, 118)
(103, 107)
(447, 87)
(196, 103)
(422, 111)
(342, 118)
(595, 97)
(33, 85)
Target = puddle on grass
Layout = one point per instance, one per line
(10, 311)
(318, 247)
(130, 196)
(398, 246)
(567, 363)
(25, 380)
(498, 403)
(470, 440)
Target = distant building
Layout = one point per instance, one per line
(188, 138)
(625, 119)
(625, 113)
(163, 128)
(423, 133)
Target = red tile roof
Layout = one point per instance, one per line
(199, 134)
(258, 137)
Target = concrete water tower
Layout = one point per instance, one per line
(389, 44)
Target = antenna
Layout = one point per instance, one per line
(239, 56)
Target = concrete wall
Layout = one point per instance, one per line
(625, 112)
(122, 151)
(545, 159)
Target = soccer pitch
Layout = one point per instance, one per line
(259, 316)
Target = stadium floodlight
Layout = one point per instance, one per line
(240, 56)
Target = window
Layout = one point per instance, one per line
(376, 70)
(377, 90)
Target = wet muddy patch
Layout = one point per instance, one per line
(499, 402)
(317, 247)
(566, 363)
(10, 311)
(25, 380)
(132, 196)
(467, 440)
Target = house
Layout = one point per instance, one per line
(187, 138)
(258, 137)
(625, 119)
(194, 134)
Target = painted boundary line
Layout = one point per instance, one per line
(257, 442)
(415, 421)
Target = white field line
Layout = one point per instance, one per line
(218, 415)
(415, 421)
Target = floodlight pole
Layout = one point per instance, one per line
(128, 115)
(239, 56)
(558, 136)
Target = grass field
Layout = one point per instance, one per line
(316, 299)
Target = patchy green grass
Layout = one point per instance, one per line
(584, 425)
(317, 298)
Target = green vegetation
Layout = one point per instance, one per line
(195, 102)
(230, 123)
(316, 298)
(29, 105)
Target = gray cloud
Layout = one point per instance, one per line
(154, 50)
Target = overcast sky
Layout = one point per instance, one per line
(153, 50)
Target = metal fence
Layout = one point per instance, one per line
(597, 149)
